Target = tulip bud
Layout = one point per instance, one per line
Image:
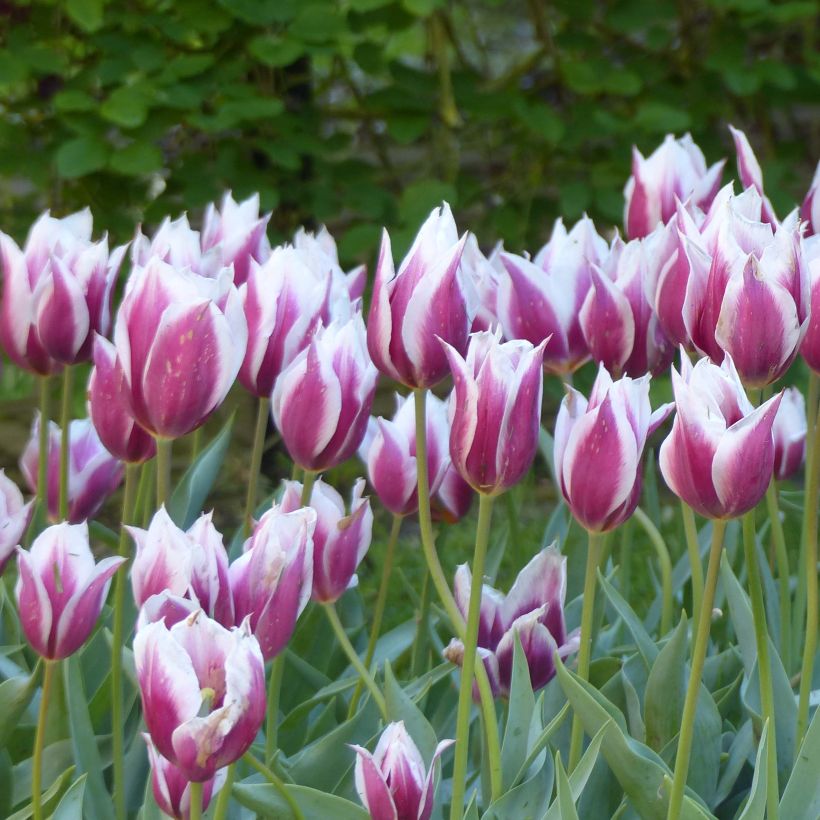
(272, 580)
(339, 541)
(542, 299)
(426, 299)
(598, 449)
(719, 456)
(14, 518)
(203, 692)
(321, 402)
(533, 609)
(93, 473)
(496, 410)
(392, 782)
(750, 173)
(192, 564)
(60, 590)
(172, 790)
(180, 340)
(810, 210)
(110, 412)
(789, 431)
(389, 451)
(676, 170)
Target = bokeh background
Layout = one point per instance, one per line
(363, 113)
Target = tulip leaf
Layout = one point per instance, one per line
(49, 798)
(86, 751)
(189, 496)
(471, 812)
(540, 743)
(264, 799)
(666, 690)
(802, 795)
(579, 777)
(564, 799)
(70, 806)
(530, 799)
(6, 783)
(400, 706)
(756, 804)
(519, 716)
(643, 641)
(15, 695)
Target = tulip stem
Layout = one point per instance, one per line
(196, 801)
(764, 668)
(39, 742)
(665, 564)
(224, 798)
(782, 559)
(65, 439)
(164, 447)
(465, 692)
(277, 670)
(307, 487)
(42, 462)
(262, 410)
(355, 661)
(276, 782)
(690, 705)
(695, 565)
(117, 641)
(378, 613)
(585, 652)
(428, 545)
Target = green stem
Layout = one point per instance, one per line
(65, 439)
(276, 782)
(695, 565)
(665, 564)
(378, 613)
(585, 651)
(117, 641)
(782, 560)
(196, 801)
(307, 487)
(164, 447)
(421, 640)
(626, 559)
(763, 664)
(196, 442)
(277, 670)
(809, 549)
(224, 798)
(42, 464)
(690, 705)
(354, 659)
(428, 545)
(263, 406)
(39, 743)
(465, 692)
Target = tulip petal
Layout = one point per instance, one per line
(607, 322)
(372, 788)
(33, 604)
(542, 581)
(62, 316)
(427, 794)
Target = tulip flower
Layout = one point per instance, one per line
(389, 451)
(110, 412)
(60, 590)
(789, 431)
(15, 515)
(810, 209)
(322, 400)
(485, 274)
(675, 170)
(604, 437)
(533, 610)
(93, 473)
(541, 299)
(427, 298)
(272, 580)
(454, 497)
(719, 456)
(192, 564)
(619, 323)
(322, 256)
(165, 606)
(339, 541)
(751, 175)
(57, 292)
(180, 341)
(203, 692)
(495, 410)
(392, 782)
(172, 790)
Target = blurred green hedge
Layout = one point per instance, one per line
(360, 113)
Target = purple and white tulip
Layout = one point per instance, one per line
(810, 209)
(60, 590)
(495, 409)
(810, 347)
(789, 431)
(15, 515)
(604, 436)
(453, 499)
(750, 173)
(427, 299)
(203, 692)
(719, 456)
(321, 402)
(272, 580)
(392, 782)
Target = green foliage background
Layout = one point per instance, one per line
(361, 113)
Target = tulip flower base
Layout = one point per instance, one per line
(282, 620)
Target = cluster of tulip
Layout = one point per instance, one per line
(704, 269)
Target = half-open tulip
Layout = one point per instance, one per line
(203, 692)
(60, 590)
(789, 431)
(15, 515)
(719, 456)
